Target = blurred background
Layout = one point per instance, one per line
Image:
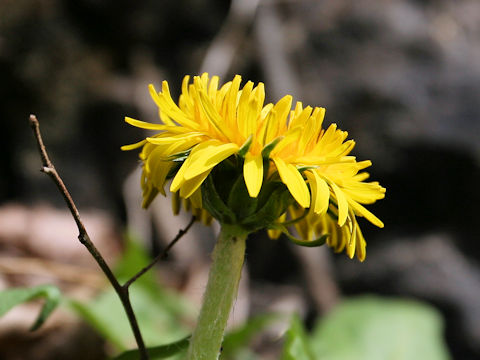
(402, 76)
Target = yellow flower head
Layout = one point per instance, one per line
(230, 129)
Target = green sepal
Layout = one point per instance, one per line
(224, 176)
(293, 221)
(214, 204)
(240, 202)
(306, 167)
(267, 149)
(314, 243)
(307, 243)
(245, 147)
(180, 156)
(276, 205)
(179, 159)
(267, 190)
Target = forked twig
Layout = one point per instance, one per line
(121, 290)
(162, 255)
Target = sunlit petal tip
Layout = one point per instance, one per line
(151, 88)
(176, 183)
(133, 146)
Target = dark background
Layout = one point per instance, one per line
(403, 77)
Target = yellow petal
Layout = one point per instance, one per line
(231, 102)
(303, 115)
(289, 138)
(208, 156)
(320, 192)
(158, 170)
(361, 245)
(259, 96)
(274, 233)
(179, 178)
(176, 203)
(215, 120)
(212, 88)
(351, 241)
(168, 106)
(144, 125)
(293, 179)
(341, 203)
(196, 199)
(154, 94)
(242, 107)
(253, 173)
(133, 146)
(361, 211)
(282, 108)
(163, 140)
(190, 186)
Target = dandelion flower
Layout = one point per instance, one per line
(271, 148)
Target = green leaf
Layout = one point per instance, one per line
(12, 297)
(376, 329)
(162, 315)
(237, 339)
(158, 352)
(156, 315)
(134, 258)
(296, 345)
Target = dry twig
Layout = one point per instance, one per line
(121, 290)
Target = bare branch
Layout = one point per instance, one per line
(84, 238)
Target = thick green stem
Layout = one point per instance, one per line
(221, 291)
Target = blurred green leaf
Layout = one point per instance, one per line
(236, 340)
(12, 297)
(377, 329)
(133, 260)
(162, 315)
(158, 319)
(168, 351)
(296, 345)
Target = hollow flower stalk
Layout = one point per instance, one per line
(213, 125)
